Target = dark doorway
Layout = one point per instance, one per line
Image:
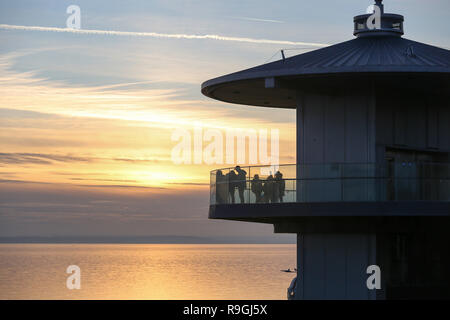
(415, 175)
(418, 265)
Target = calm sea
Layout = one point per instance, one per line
(147, 271)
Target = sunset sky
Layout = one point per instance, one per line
(86, 119)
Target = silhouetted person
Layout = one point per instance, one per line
(257, 188)
(231, 178)
(221, 188)
(291, 291)
(268, 189)
(280, 185)
(241, 182)
(275, 191)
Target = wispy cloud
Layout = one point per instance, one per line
(22, 181)
(109, 186)
(161, 35)
(259, 20)
(107, 180)
(39, 158)
(36, 158)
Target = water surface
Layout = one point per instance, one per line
(147, 271)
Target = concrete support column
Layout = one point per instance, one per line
(333, 266)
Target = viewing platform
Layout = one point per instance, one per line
(332, 189)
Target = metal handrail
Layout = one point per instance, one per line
(330, 164)
(358, 181)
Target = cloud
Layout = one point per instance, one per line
(38, 158)
(137, 160)
(21, 181)
(119, 186)
(108, 186)
(189, 184)
(24, 114)
(161, 35)
(259, 20)
(107, 180)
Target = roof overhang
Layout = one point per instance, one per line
(285, 89)
(412, 64)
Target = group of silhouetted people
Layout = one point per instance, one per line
(270, 190)
(227, 184)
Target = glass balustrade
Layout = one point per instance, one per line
(405, 181)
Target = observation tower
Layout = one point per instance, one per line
(371, 184)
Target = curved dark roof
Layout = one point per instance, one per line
(363, 55)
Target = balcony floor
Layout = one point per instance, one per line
(265, 212)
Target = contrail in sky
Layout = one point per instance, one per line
(259, 20)
(160, 35)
